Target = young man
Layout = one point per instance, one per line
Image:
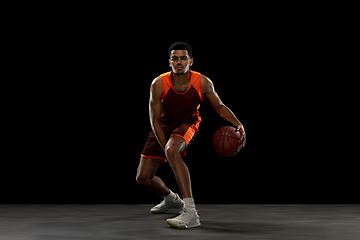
(173, 106)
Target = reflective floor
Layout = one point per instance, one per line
(110, 222)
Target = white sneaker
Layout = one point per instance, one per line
(164, 206)
(187, 219)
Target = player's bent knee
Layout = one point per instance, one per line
(170, 152)
(173, 147)
(142, 180)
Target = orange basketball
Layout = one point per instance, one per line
(227, 141)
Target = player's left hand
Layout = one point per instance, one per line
(241, 129)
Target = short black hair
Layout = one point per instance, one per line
(181, 46)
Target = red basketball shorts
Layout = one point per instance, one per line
(152, 148)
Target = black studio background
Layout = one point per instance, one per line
(86, 126)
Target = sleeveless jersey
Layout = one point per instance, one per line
(178, 107)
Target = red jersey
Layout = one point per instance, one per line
(178, 107)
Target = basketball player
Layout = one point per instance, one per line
(173, 107)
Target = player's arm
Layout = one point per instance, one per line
(209, 91)
(155, 111)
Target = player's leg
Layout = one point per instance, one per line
(189, 216)
(146, 176)
(174, 147)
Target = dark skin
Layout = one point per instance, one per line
(180, 63)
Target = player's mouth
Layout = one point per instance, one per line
(179, 67)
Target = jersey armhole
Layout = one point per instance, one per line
(197, 84)
(165, 84)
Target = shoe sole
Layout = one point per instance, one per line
(183, 226)
(160, 212)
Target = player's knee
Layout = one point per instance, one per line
(142, 180)
(174, 147)
(170, 152)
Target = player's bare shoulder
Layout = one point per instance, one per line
(156, 83)
(206, 84)
(156, 88)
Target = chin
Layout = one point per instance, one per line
(181, 72)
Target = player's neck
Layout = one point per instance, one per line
(181, 78)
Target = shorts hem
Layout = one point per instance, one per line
(179, 136)
(163, 159)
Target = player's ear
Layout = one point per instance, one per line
(169, 63)
(191, 62)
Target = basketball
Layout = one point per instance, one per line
(226, 141)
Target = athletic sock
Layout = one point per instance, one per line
(171, 197)
(189, 203)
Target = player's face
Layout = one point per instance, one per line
(180, 61)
